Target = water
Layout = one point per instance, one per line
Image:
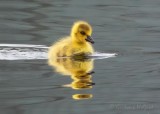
(127, 83)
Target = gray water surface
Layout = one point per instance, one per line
(128, 83)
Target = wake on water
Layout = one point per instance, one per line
(30, 52)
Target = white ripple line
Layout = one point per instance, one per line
(7, 52)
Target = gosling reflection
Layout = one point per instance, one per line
(82, 96)
(80, 71)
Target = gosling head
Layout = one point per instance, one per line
(81, 32)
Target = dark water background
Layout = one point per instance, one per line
(128, 83)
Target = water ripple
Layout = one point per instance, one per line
(28, 52)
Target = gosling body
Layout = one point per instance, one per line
(78, 43)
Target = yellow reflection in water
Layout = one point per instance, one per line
(82, 96)
(79, 70)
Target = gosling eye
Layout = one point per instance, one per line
(82, 32)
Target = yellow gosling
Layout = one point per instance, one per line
(78, 43)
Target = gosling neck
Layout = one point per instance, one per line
(76, 40)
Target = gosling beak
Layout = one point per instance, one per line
(89, 39)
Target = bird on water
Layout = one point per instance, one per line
(79, 42)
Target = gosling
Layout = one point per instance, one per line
(78, 43)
